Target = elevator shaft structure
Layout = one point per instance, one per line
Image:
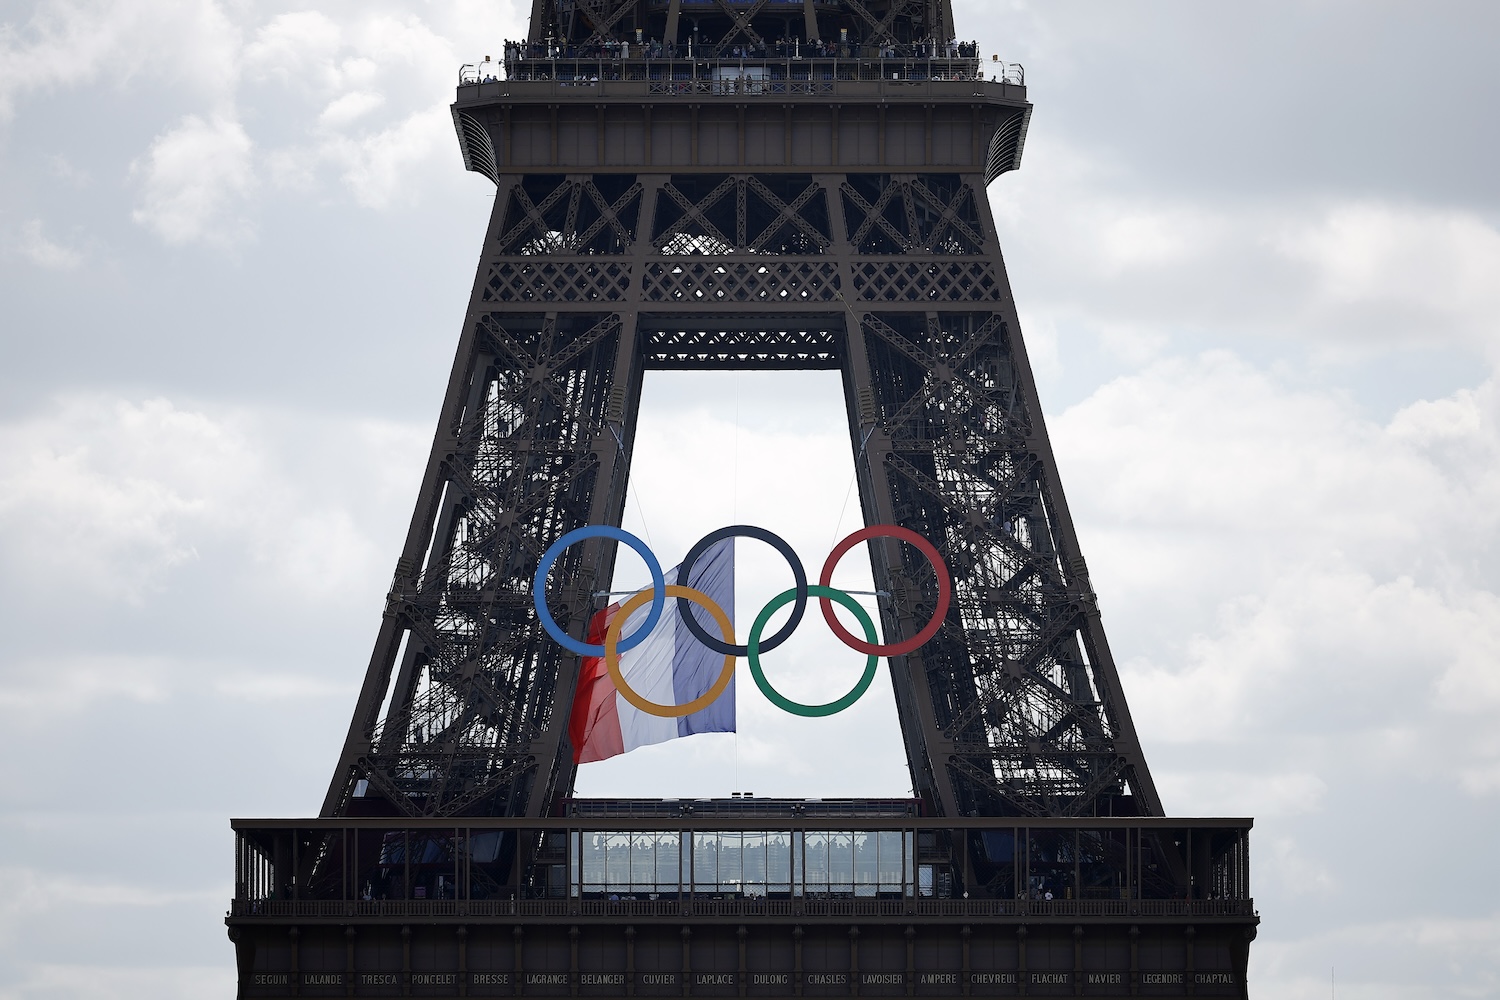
(713, 185)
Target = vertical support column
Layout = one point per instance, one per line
(911, 959)
(1078, 960)
(965, 981)
(1105, 675)
(740, 935)
(463, 960)
(405, 960)
(1023, 973)
(854, 961)
(518, 975)
(1135, 960)
(573, 961)
(913, 698)
(630, 960)
(797, 960)
(1189, 978)
(349, 933)
(296, 935)
(687, 960)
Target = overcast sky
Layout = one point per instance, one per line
(1257, 253)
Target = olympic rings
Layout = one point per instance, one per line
(776, 697)
(612, 654)
(539, 585)
(614, 645)
(798, 574)
(945, 589)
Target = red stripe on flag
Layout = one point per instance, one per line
(594, 724)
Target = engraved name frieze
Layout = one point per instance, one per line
(1213, 978)
(826, 978)
(433, 978)
(546, 979)
(379, 979)
(714, 979)
(601, 979)
(1161, 978)
(883, 978)
(489, 978)
(272, 979)
(1050, 978)
(658, 979)
(992, 978)
(322, 979)
(770, 979)
(1104, 978)
(938, 978)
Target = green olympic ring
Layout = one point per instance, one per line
(776, 697)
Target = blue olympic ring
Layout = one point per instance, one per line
(539, 585)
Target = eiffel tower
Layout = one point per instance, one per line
(721, 185)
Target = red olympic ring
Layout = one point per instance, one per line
(945, 589)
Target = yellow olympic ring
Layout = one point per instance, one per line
(612, 654)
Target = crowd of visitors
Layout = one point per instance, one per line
(781, 48)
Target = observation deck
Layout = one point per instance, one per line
(743, 897)
(884, 111)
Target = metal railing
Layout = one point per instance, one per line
(741, 74)
(741, 908)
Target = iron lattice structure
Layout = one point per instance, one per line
(728, 211)
(741, 184)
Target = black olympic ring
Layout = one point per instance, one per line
(776, 542)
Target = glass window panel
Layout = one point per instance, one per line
(616, 861)
(731, 865)
(753, 862)
(815, 857)
(643, 861)
(890, 856)
(705, 861)
(866, 863)
(668, 851)
(840, 862)
(779, 862)
(593, 862)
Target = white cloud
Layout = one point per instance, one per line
(296, 49)
(267, 686)
(44, 252)
(1400, 272)
(108, 497)
(1345, 278)
(72, 43)
(375, 165)
(355, 104)
(195, 179)
(1288, 574)
(34, 690)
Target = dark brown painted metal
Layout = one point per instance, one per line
(739, 194)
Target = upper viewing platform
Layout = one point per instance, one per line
(773, 85)
(735, 48)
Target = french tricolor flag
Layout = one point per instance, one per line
(670, 668)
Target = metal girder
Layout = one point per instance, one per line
(1014, 708)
